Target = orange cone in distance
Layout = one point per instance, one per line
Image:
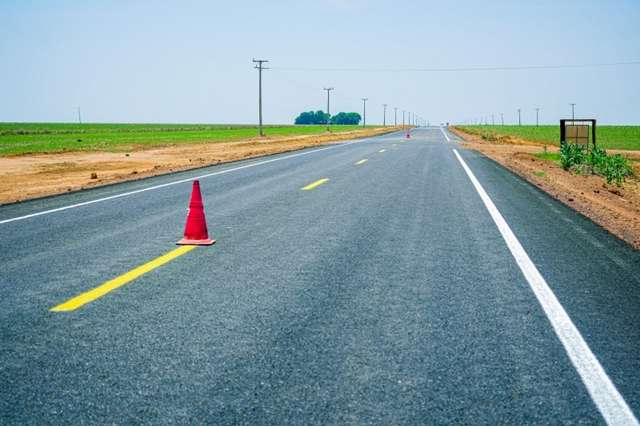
(195, 230)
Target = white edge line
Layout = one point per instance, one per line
(603, 392)
(151, 188)
(445, 135)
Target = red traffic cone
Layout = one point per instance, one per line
(195, 231)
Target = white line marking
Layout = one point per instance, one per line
(151, 188)
(603, 392)
(445, 135)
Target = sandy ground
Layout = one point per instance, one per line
(616, 209)
(36, 175)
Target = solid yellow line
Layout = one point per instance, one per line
(361, 162)
(91, 295)
(382, 150)
(314, 184)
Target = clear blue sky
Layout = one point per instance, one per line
(190, 61)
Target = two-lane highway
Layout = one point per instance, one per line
(366, 282)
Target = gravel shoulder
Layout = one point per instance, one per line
(616, 209)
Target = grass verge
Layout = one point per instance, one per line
(608, 137)
(31, 138)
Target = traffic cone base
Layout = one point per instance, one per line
(187, 242)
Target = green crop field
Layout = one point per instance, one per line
(23, 138)
(608, 137)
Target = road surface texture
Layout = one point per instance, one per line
(388, 293)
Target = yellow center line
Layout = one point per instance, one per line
(361, 162)
(101, 290)
(314, 184)
(382, 150)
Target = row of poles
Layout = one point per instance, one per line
(493, 121)
(413, 119)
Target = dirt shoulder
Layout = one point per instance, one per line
(616, 209)
(31, 176)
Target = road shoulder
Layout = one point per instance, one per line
(616, 209)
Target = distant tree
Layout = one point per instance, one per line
(343, 118)
(310, 117)
(321, 117)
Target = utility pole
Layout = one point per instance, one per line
(395, 116)
(573, 110)
(384, 115)
(403, 118)
(260, 67)
(364, 111)
(328, 89)
(493, 121)
(519, 121)
(537, 112)
(79, 116)
(502, 118)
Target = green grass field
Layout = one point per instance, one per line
(23, 138)
(608, 137)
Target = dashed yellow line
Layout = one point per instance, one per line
(101, 290)
(315, 184)
(361, 161)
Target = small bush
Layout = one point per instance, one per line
(489, 136)
(597, 159)
(571, 155)
(615, 168)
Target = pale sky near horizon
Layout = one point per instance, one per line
(190, 61)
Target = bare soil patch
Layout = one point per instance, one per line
(617, 209)
(36, 175)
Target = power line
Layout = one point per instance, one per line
(466, 69)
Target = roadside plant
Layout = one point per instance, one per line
(597, 158)
(615, 168)
(571, 155)
(488, 136)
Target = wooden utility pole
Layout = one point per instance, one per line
(260, 67)
(328, 89)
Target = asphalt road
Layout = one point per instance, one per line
(386, 295)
